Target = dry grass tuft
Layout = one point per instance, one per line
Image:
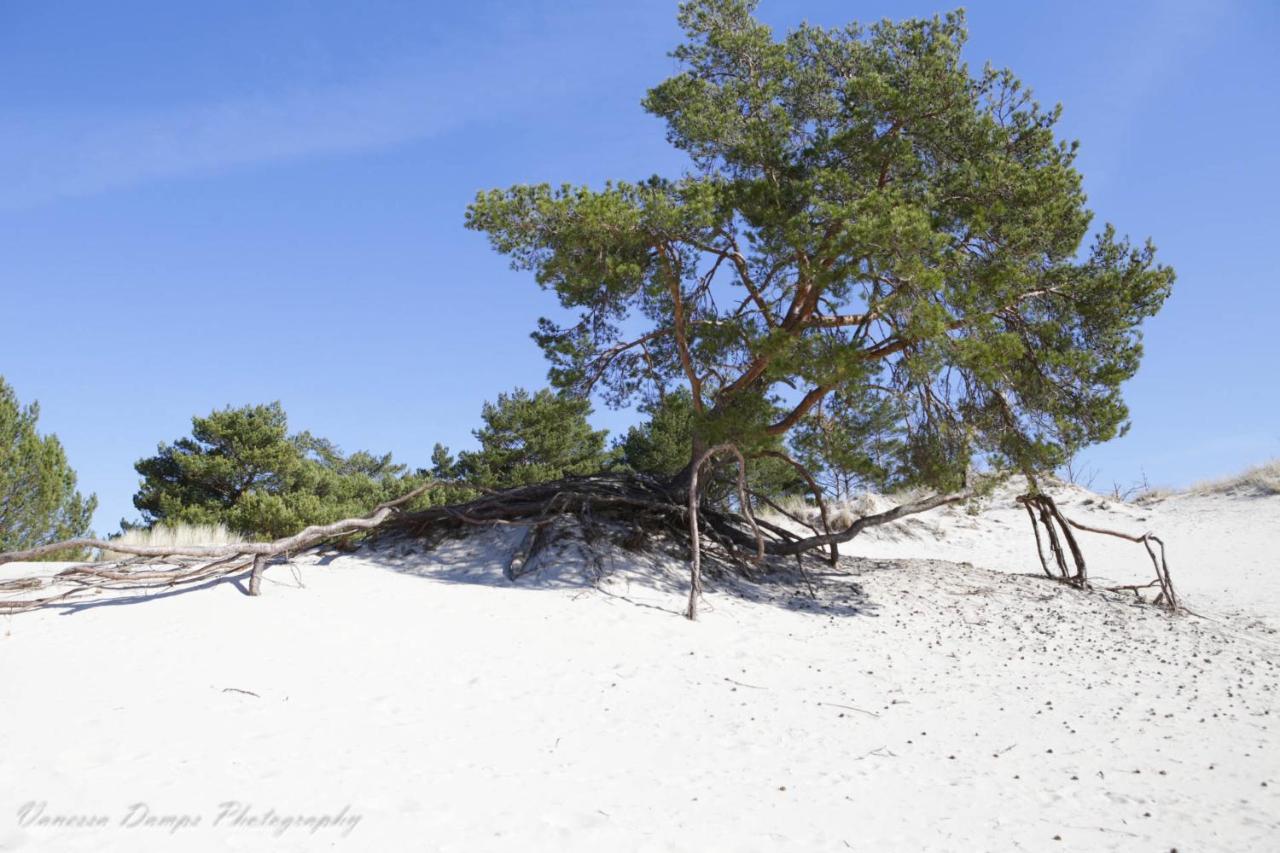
(1260, 480)
(178, 534)
(1154, 495)
(841, 514)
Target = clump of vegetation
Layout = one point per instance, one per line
(240, 468)
(526, 439)
(39, 502)
(175, 535)
(1260, 480)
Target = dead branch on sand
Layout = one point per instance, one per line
(196, 563)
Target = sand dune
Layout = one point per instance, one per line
(401, 700)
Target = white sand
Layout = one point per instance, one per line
(917, 706)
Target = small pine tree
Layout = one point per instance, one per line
(660, 445)
(850, 443)
(39, 502)
(443, 465)
(241, 468)
(230, 453)
(532, 438)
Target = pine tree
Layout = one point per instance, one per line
(864, 216)
(532, 438)
(241, 468)
(659, 446)
(39, 503)
(850, 443)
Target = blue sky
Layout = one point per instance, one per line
(213, 204)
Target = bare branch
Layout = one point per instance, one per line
(802, 408)
(219, 559)
(924, 505)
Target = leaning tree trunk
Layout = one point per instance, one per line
(695, 545)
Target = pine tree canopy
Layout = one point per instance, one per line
(530, 438)
(241, 468)
(39, 503)
(864, 216)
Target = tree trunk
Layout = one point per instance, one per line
(255, 579)
(678, 485)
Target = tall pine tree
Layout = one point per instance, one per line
(864, 215)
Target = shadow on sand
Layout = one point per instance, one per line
(655, 577)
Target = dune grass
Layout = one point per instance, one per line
(840, 513)
(1260, 480)
(178, 534)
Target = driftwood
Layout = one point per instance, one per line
(195, 563)
(1042, 510)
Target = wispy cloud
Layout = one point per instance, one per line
(44, 160)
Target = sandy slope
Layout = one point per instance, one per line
(917, 705)
(1221, 549)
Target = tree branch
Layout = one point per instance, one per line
(801, 545)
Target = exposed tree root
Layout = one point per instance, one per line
(186, 564)
(817, 496)
(649, 505)
(1053, 520)
(643, 505)
(695, 549)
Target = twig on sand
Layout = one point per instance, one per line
(851, 708)
(878, 752)
(238, 690)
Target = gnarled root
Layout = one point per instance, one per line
(639, 503)
(194, 563)
(1050, 516)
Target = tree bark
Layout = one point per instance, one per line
(695, 579)
(255, 579)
